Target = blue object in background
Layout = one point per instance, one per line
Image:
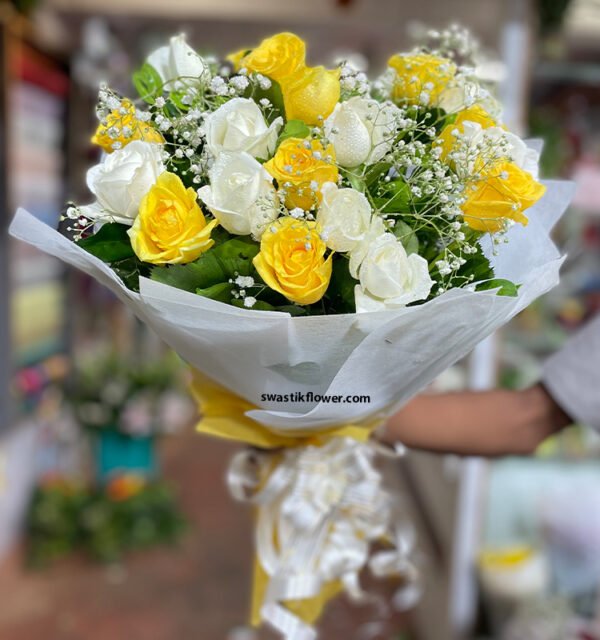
(118, 453)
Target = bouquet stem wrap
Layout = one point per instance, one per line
(320, 505)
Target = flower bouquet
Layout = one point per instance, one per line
(318, 247)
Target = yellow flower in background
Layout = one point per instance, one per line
(277, 57)
(301, 167)
(420, 78)
(476, 114)
(170, 227)
(126, 127)
(292, 260)
(502, 194)
(311, 94)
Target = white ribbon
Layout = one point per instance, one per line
(319, 510)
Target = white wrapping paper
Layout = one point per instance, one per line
(389, 355)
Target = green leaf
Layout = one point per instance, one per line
(293, 129)
(357, 182)
(259, 305)
(407, 236)
(176, 97)
(341, 287)
(477, 268)
(376, 172)
(217, 265)
(148, 83)
(130, 270)
(395, 197)
(110, 243)
(505, 287)
(273, 94)
(220, 292)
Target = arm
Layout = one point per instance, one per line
(487, 423)
(494, 423)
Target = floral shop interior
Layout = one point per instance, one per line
(142, 498)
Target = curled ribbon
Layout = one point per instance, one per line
(320, 505)
(319, 509)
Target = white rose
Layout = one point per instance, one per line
(360, 250)
(241, 194)
(344, 216)
(389, 278)
(239, 125)
(122, 180)
(178, 60)
(361, 130)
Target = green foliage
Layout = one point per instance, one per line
(393, 197)
(52, 522)
(111, 528)
(376, 172)
(340, 292)
(477, 268)
(504, 287)
(293, 129)
(424, 118)
(220, 292)
(64, 518)
(130, 270)
(147, 83)
(355, 179)
(111, 243)
(273, 94)
(407, 236)
(217, 266)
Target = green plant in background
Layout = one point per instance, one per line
(126, 514)
(53, 521)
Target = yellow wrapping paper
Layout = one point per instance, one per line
(224, 416)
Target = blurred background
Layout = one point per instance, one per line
(114, 518)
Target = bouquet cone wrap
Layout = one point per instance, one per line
(388, 355)
(246, 361)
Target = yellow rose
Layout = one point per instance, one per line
(503, 193)
(170, 227)
(236, 58)
(311, 93)
(419, 73)
(301, 169)
(472, 114)
(292, 260)
(277, 57)
(127, 128)
(308, 92)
